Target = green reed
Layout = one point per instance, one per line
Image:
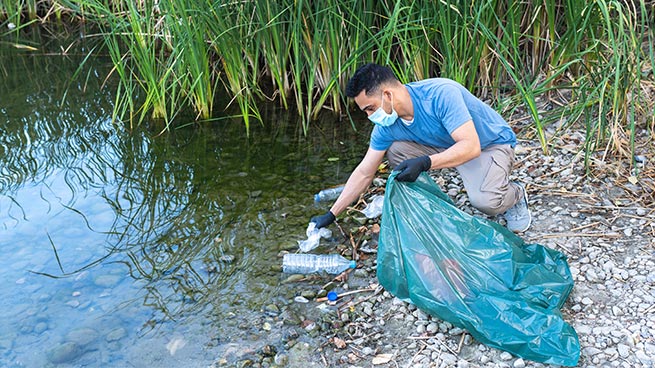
(590, 61)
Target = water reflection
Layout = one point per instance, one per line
(104, 228)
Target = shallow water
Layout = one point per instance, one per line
(128, 248)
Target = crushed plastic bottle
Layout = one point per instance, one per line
(314, 236)
(328, 194)
(314, 263)
(374, 208)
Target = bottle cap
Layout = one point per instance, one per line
(332, 296)
(353, 264)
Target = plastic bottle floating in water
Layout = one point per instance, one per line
(314, 263)
(328, 194)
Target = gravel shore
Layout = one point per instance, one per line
(603, 223)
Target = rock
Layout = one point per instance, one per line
(272, 310)
(519, 363)
(505, 356)
(40, 327)
(368, 351)
(293, 278)
(300, 299)
(309, 294)
(82, 336)
(448, 359)
(107, 281)
(617, 311)
(64, 353)
(269, 350)
(116, 334)
(281, 359)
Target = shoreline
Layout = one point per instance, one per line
(595, 222)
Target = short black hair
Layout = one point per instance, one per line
(368, 78)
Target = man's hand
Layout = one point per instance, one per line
(323, 220)
(411, 168)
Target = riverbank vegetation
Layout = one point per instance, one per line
(564, 63)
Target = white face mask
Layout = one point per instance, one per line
(381, 118)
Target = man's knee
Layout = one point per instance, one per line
(486, 203)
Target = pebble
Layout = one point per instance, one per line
(116, 334)
(300, 299)
(64, 353)
(505, 356)
(82, 336)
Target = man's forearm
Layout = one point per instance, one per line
(355, 186)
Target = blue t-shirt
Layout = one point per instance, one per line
(440, 106)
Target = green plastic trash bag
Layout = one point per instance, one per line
(475, 274)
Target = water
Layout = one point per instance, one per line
(123, 247)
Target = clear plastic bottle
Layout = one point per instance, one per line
(328, 194)
(313, 263)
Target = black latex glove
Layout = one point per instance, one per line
(411, 168)
(323, 220)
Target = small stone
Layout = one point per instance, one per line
(505, 356)
(269, 350)
(82, 336)
(281, 359)
(116, 334)
(519, 363)
(293, 278)
(73, 303)
(617, 311)
(628, 232)
(300, 299)
(587, 301)
(107, 281)
(368, 351)
(227, 258)
(272, 310)
(40, 327)
(64, 353)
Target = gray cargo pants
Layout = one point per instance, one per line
(486, 178)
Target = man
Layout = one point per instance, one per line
(434, 124)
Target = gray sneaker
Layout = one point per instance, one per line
(518, 217)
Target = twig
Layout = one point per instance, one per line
(324, 298)
(415, 355)
(575, 235)
(377, 291)
(461, 342)
(586, 226)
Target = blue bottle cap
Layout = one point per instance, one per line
(332, 296)
(353, 264)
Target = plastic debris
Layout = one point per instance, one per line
(314, 236)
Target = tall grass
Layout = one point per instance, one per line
(563, 62)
